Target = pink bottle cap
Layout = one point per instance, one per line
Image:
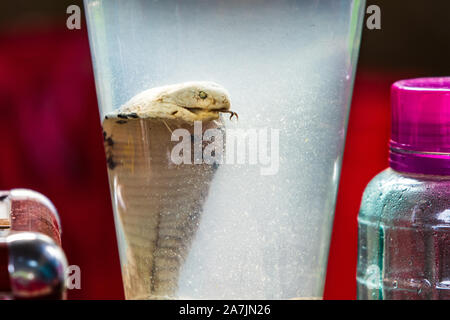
(420, 134)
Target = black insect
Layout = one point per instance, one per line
(133, 115)
(111, 163)
(122, 116)
(121, 121)
(3, 198)
(109, 141)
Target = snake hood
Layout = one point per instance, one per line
(188, 101)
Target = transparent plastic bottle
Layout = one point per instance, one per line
(404, 219)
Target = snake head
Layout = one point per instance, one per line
(201, 95)
(191, 101)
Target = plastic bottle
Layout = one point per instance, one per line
(404, 219)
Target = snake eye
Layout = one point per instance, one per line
(202, 95)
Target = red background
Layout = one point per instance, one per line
(51, 141)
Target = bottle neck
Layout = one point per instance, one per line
(419, 162)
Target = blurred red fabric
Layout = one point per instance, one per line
(52, 142)
(365, 155)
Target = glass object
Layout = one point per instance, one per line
(404, 219)
(258, 225)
